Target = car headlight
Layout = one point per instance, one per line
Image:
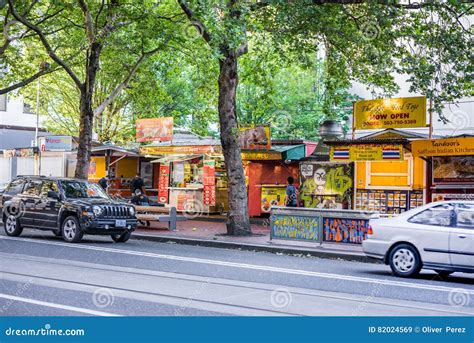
(132, 211)
(97, 210)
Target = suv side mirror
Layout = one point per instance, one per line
(53, 195)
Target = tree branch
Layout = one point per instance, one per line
(27, 81)
(241, 50)
(45, 42)
(87, 21)
(125, 82)
(191, 16)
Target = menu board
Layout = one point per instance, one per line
(209, 181)
(416, 199)
(390, 202)
(187, 202)
(163, 182)
(272, 196)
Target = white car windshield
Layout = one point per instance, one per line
(82, 189)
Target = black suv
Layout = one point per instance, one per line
(68, 207)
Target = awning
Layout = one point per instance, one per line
(114, 151)
(175, 158)
(291, 152)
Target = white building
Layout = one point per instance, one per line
(17, 130)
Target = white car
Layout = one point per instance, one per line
(437, 236)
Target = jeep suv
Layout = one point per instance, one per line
(68, 207)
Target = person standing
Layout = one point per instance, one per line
(291, 198)
(137, 183)
(104, 182)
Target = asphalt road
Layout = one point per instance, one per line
(42, 275)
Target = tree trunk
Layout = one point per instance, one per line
(87, 113)
(85, 137)
(237, 220)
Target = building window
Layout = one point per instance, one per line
(3, 102)
(27, 108)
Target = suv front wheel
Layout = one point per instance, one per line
(12, 226)
(71, 230)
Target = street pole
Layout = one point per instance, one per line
(37, 158)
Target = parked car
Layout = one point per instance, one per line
(437, 236)
(68, 207)
(2, 187)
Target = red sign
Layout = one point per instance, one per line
(154, 129)
(209, 176)
(163, 182)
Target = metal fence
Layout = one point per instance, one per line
(318, 225)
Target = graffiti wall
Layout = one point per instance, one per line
(295, 227)
(326, 184)
(344, 230)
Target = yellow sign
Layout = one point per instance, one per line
(191, 150)
(390, 113)
(367, 152)
(258, 156)
(272, 196)
(96, 168)
(443, 147)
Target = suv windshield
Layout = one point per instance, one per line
(82, 189)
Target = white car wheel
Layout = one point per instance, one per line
(405, 260)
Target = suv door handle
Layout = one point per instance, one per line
(462, 236)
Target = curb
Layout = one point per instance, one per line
(287, 250)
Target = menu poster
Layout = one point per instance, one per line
(209, 180)
(392, 202)
(163, 182)
(416, 199)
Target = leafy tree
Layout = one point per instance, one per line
(370, 41)
(222, 25)
(78, 38)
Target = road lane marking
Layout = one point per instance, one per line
(246, 266)
(244, 286)
(59, 306)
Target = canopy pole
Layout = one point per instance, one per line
(430, 135)
(353, 120)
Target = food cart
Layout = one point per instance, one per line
(191, 173)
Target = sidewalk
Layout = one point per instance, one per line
(211, 232)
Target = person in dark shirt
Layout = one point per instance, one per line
(140, 199)
(137, 183)
(291, 193)
(104, 182)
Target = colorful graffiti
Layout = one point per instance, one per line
(345, 230)
(326, 185)
(295, 227)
